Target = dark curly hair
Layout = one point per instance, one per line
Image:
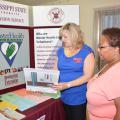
(113, 36)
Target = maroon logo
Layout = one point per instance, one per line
(77, 60)
(56, 15)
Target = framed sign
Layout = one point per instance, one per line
(46, 44)
(14, 56)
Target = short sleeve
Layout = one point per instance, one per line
(87, 51)
(59, 51)
(110, 82)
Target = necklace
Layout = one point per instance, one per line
(70, 53)
(108, 66)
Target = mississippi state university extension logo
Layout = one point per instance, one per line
(56, 15)
(10, 46)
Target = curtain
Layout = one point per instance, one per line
(104, 18)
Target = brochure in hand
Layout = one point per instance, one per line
(41, 79)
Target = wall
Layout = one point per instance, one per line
(87, 13)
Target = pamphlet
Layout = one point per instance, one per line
(41, 79)
(2, 117)
(37, 97)
(4, 104)
(20, 102)
(11, 114)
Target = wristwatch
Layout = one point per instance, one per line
(68, 85)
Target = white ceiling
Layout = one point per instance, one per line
(31, 2)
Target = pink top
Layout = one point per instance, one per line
(101, 94)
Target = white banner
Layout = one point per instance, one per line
(14, 56)
(13, 14)
(46, 44)
(55, 15)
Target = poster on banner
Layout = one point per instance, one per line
(13, 14)
(41, 79)
(46, 42)
(14, 56)
(55, 15)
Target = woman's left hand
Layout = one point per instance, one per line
(60, 86)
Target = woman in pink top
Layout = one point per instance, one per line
(103, 93)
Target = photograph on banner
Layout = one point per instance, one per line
(46, 44)
(14, 54)
(41, 79)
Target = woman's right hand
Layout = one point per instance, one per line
(60, 86)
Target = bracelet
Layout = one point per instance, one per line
(68, 85)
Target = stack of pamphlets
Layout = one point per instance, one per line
(18, 101)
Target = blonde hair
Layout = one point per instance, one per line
(75, 33)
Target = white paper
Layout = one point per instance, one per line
(2, 117)
(12, 114)
(41, 79)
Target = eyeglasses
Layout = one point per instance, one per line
(60, 37)
(102, 47)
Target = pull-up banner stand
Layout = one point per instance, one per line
(13, 14)
(47, 20)
(14, 43)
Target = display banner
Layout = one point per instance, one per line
(46, 44)
(14, 56)
(46, 40)
(13, 14)
(55, 15)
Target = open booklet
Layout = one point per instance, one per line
(41, 79)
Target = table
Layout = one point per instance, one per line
(48, 110)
